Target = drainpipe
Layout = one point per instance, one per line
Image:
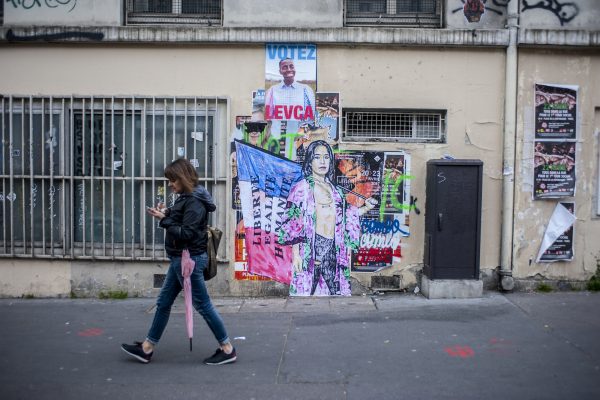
(510, 117)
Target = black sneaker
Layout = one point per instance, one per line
(220, 357)
(137, 351)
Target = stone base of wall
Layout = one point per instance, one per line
(57, 278)
(532, 285)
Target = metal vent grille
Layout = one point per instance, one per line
(394, 125)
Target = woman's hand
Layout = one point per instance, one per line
(156, 212)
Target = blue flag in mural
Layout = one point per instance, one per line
(265, 181)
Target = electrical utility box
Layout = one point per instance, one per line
(453, 219)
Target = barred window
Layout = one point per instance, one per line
(197, 12)
(401, 13)
(78, 172)
(394, 125)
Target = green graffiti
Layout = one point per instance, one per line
(272, 144)
(389, 193)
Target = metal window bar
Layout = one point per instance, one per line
(397, 125)
(197, 12)
(398, 13)
(69, 186)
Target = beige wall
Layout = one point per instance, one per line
(37, 279)
(467, 83)
(531, 217)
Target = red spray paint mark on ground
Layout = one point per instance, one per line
(91, 332)
(460, 351)
(500, 346)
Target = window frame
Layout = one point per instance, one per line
(51, 229)
(391, 18)
(349, 137)
(176, 17)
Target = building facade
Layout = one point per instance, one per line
(98, 97)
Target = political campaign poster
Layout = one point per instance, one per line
(555, 111)
(290, 82)
(557, 244)
(554, 169)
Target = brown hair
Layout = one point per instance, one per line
(181, 170)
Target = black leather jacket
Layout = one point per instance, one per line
(185, 223)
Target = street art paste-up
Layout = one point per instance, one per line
(258, 105)
(321, 226)
(265, 181)
(328, 113)
(557, 244)
(473, 10)
(304, 211)
(254, 133)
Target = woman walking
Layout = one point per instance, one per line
(185, 224)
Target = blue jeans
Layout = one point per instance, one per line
(201, 301)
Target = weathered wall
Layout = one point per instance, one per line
(469, 86)
(560, 14)
(534, 14)
(65, 12)
(532, 216)
(38, 279)
(283, 13)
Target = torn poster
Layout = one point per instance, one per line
(557, 244)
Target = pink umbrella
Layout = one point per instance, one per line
(187, 267)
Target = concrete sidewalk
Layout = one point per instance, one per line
(515, 346)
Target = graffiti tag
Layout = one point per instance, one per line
(385, 227)
(565, 12)
(10, 197)
(390, 193)
(29, 4)
(81, 189)
(33, 196)
(51, 192)
(379, 241)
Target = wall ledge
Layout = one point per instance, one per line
(216, 35)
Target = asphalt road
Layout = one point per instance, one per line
(512, 346)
